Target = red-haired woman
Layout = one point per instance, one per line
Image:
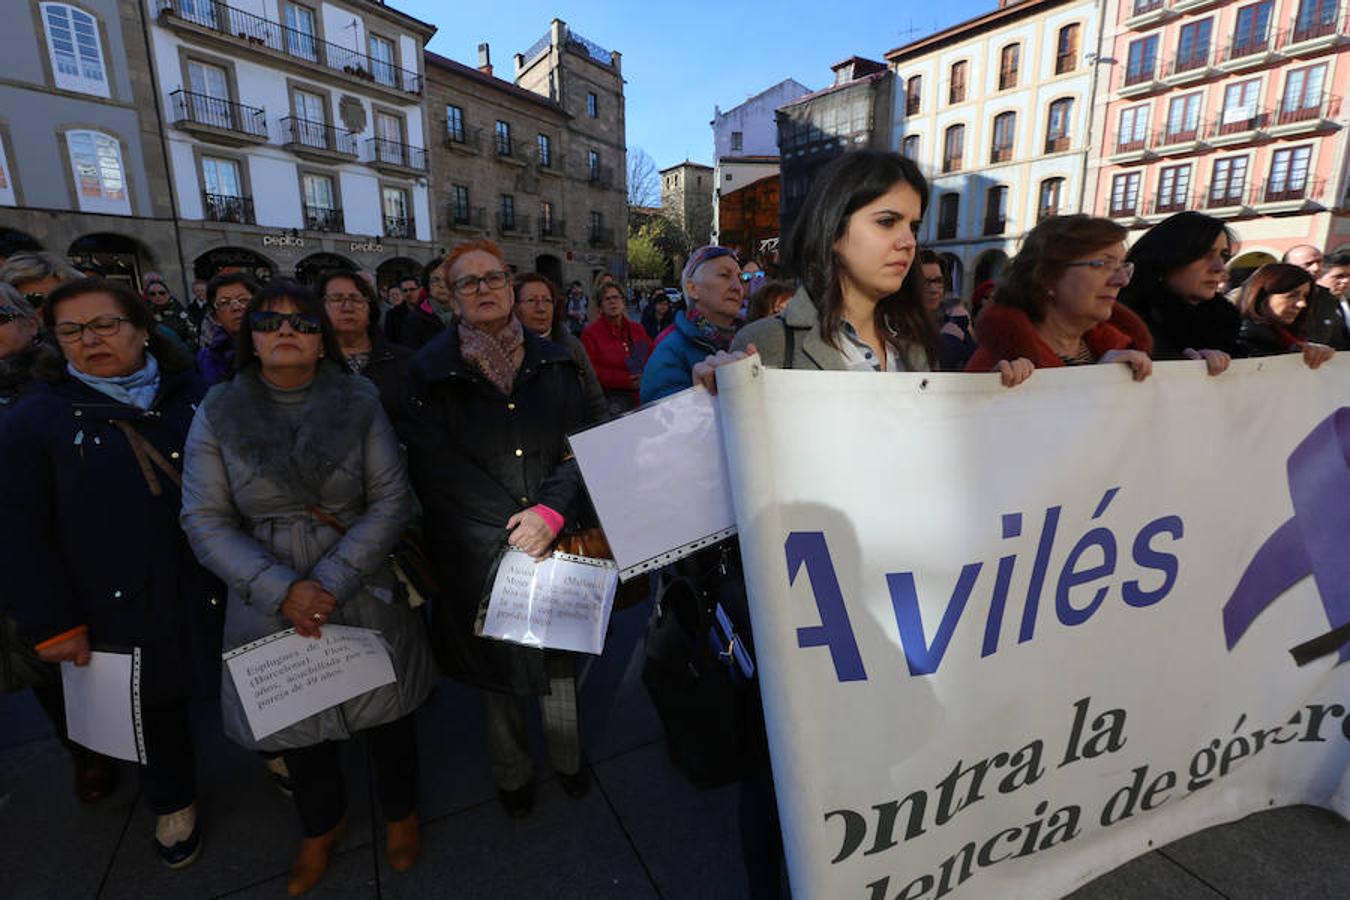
(1274, 305)
(492, 405)
(1057, 306)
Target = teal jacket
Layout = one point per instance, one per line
(670, 368)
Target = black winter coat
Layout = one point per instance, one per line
(84, 541)
(419, 328)
(1260, 339)
(477, 458)
(388, 368)
(1177, 325)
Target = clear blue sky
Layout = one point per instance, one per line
(681, 59)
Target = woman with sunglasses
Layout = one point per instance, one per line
(294, 493)
(227, 296)
(168, 313)
(1180, 267)
(90, 545)
(1056, 304)
(493, 404)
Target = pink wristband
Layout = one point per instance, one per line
(551, 517)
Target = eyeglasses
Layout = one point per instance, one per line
(473, 284)
(942, 282)
(537, 301)
(35, 298)
(748, 277)
(231, 303)
(1108, 266)
(344, 301)
(267, 321)
(103, 326)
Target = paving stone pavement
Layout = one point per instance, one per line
(642, 832)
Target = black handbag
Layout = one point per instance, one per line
(700, 676)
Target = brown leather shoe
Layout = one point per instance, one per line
(405, 843)
(95, 776)
(312, 861)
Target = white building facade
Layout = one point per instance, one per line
(296, 134)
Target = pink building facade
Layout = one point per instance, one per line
(1236, 108)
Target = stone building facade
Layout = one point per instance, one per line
(687, 198)
(82, 168)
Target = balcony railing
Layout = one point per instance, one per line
(201, 109)
(995, 224)
(1145, 6)
(1168, 137)
(1295, 187)
(400, 227)
(551, 227)
(1188, 63)
(468, 216)
(1140, 75)
(1057, 143)
(1162, 206)
(1250, 46)
(1238, 122)
(1325, 107)
(465, 138)
(600, 176)
(323, 218)
(225, 208)
(1131, 144)
(261, 32)
(503, 144)
(1307, 28)
(1125, 208)
(318, 136)
(951, 164)
(394, 153)
(946, 229)
(1225, 196)
(1000, 154)
(600, 237)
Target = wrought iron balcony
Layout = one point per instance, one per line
(502, 144)
(1323, 23)
(323, 218)
(400, 227)
(464, 138)
(601, 237)
(318, 138)
(1057, 143)
(239, 123)
(1225, 196)
(468, 217)
(951, 164)
(513, 225)
(381, 152)
(1166, 205)
(226, 208)
(1126, 207)
(1295, 187)
(1140, 75)
(1237, 122)
(1130, 143)
(1000, 154)
(600, 176)
(1324, 107)
(550, 227)
(236, 25)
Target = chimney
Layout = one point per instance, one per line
(484, 59)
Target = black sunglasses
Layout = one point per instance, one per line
(268, 321)
(8, 315)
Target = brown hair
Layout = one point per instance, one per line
(172, 356)
(553, 291)
(762, 301)
(305, 301)
(1044, 255)
(1272, 278)
(362, 287)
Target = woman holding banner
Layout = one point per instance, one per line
(493, 404)
(1274, 305)
(294, 492)
(90, 546)
(1057, 302)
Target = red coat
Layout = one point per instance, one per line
(617, 352)
(1007, 333)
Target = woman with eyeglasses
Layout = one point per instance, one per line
(227, 295)
(90, 545)
(36, 274)
(618, 348)
(169, 313)
(1056, 304)
(294, 493)
(1180, 267)
(352, 309)
(1274, 309)
(428, 318)
(540, 308)
(493, 404)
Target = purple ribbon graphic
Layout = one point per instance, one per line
(1316, 541)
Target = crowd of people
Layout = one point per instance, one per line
(187, 477)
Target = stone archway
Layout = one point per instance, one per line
(307, 270)
(232, 259)
(989, 266)
(1243, 265)
(14, 241)
(118, 257)
(395, 269)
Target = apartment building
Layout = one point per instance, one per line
(1234, 108)
(82, 168)
(295, 134)
(996, 111)
(687, 199)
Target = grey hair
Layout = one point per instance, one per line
(10, 298)
(36, 265)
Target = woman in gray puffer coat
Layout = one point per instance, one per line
(294, 493)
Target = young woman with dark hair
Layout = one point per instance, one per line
(539, 307)
(1056, 304)
(350, 304)
(1274, 306)
(294, 493)
(90, 543)
(1179, 266)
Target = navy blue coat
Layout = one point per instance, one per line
(83, 541)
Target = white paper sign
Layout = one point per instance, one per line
(285, 678)
(657, 478)
(562, 603)
(103, 704)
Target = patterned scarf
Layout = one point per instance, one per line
(494, 355)
(720, 337)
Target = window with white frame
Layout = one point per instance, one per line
(382, 60)
(1125, 193)
(7, 196)
(100, 178)
(909, 147)
(1183, 117)
(1288, 174)
(75, 49)
(1228, 181)
(1133, 132)
(1240, 102)
(1174, 184)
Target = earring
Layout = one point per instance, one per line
(147, 342)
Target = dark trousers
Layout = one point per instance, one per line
(761, 836)
(320, 793)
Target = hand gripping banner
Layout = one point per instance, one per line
(1316, 541)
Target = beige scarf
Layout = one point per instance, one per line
(497, 356)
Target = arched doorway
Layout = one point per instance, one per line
(232, 259)
(1243, 265)
(956, 274)
(550, 267)
(118, 257)
(13, 241)
(307, 270)
(392, 271)
(989, 266)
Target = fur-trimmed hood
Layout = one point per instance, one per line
(337, 414)
(1008, 333)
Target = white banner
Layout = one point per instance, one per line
(560, 603)
(1010, 639)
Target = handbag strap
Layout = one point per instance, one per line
(148, 458)
(326, 518)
